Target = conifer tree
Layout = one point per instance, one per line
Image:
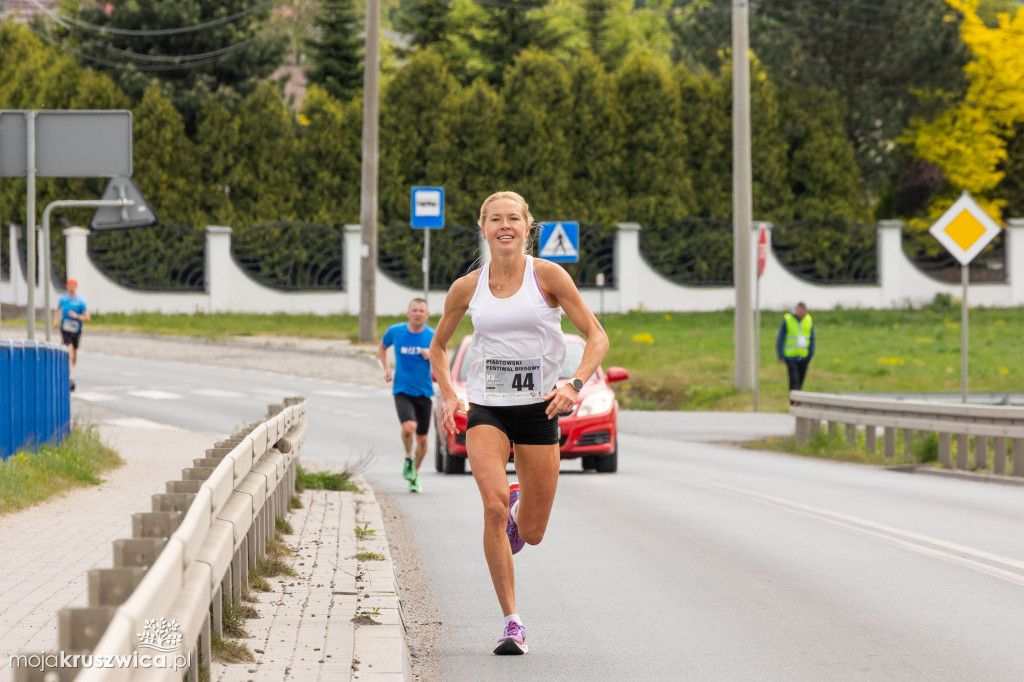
(336, 49)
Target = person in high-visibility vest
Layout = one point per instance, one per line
(795, 345)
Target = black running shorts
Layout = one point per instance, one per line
(414, 408)
(523, 424)
(71, 339)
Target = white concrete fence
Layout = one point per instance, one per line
(638, 286)
(845, 414)
(188, 557)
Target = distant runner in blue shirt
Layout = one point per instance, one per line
(413, 387)
(68, 316)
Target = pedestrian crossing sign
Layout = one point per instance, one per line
(560, 242)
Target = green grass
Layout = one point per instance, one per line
(322, 480)
(684, 361)
(27, 479)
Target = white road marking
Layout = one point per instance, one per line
(1011, 570)
(155, 395)
(338, 394)
(217, 393)
(136, 423)
(93, 396)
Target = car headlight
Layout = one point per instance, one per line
(596, 403)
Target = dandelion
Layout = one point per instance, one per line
(303, 121)
(1003, 371)
(923, 340)
(667, 317)
(999, 323)
(952, 325)
(890, 361)
(836, 361)
(919, 362)
(643, 338)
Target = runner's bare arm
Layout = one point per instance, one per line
(456, 303)
(559, 288)
(382, 355)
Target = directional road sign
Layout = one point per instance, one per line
(68, 144)
(965, 229)
(560, 242)
(428, 207)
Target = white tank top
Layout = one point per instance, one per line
(518, 346)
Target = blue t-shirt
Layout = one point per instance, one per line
(412, 370)
(68, 303)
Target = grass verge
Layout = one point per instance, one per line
(825, 445)
(27, 479)
(685, 361)
(322, 480)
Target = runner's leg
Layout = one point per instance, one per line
(487, 449)
(537, 470)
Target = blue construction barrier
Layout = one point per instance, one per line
(35, 395)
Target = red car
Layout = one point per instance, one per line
(589, 432)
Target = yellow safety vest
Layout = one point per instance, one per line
(798, 336)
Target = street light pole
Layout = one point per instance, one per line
(742, 200)
(368, 192)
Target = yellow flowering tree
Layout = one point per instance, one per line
(968, 142)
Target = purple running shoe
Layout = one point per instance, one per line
(513, 641)
(511, 527)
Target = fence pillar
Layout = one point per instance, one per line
(218, 268)
(1018, 456)
(890, 260)
(963, 450)
(890, 443)
(998, 455)
(352, 250)
(870, 434)
(627, 266)
(981, 452)
(945, 448)
(851, 434)
(1015, 259)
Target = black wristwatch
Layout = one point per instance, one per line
(577, 384)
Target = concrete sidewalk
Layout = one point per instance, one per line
(306, 628)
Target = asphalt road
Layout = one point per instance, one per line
(698, 560)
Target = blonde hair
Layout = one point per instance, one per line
(512, 196)
(524, 209)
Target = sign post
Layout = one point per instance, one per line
(964, 229)
(60, 144)
(762, 258)
(427, 215)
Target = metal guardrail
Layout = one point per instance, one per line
(981, 422)
(186, 558)
(35, 395)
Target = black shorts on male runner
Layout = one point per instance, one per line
(523, 424)
(414, 408)
(71, 339)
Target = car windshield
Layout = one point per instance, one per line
(573, 356)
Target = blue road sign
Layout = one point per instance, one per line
(428, 207)
(560, 242)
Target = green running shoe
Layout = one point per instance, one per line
(414, 485)
(408, 470)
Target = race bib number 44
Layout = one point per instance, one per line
(513, 379)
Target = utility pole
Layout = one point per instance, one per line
(742, 199)
(368, 193)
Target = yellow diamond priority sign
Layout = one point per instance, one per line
(965, 229)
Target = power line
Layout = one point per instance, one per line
(154, 68)
(67, 22)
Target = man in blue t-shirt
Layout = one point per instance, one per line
(68, 316)
(413, 387)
